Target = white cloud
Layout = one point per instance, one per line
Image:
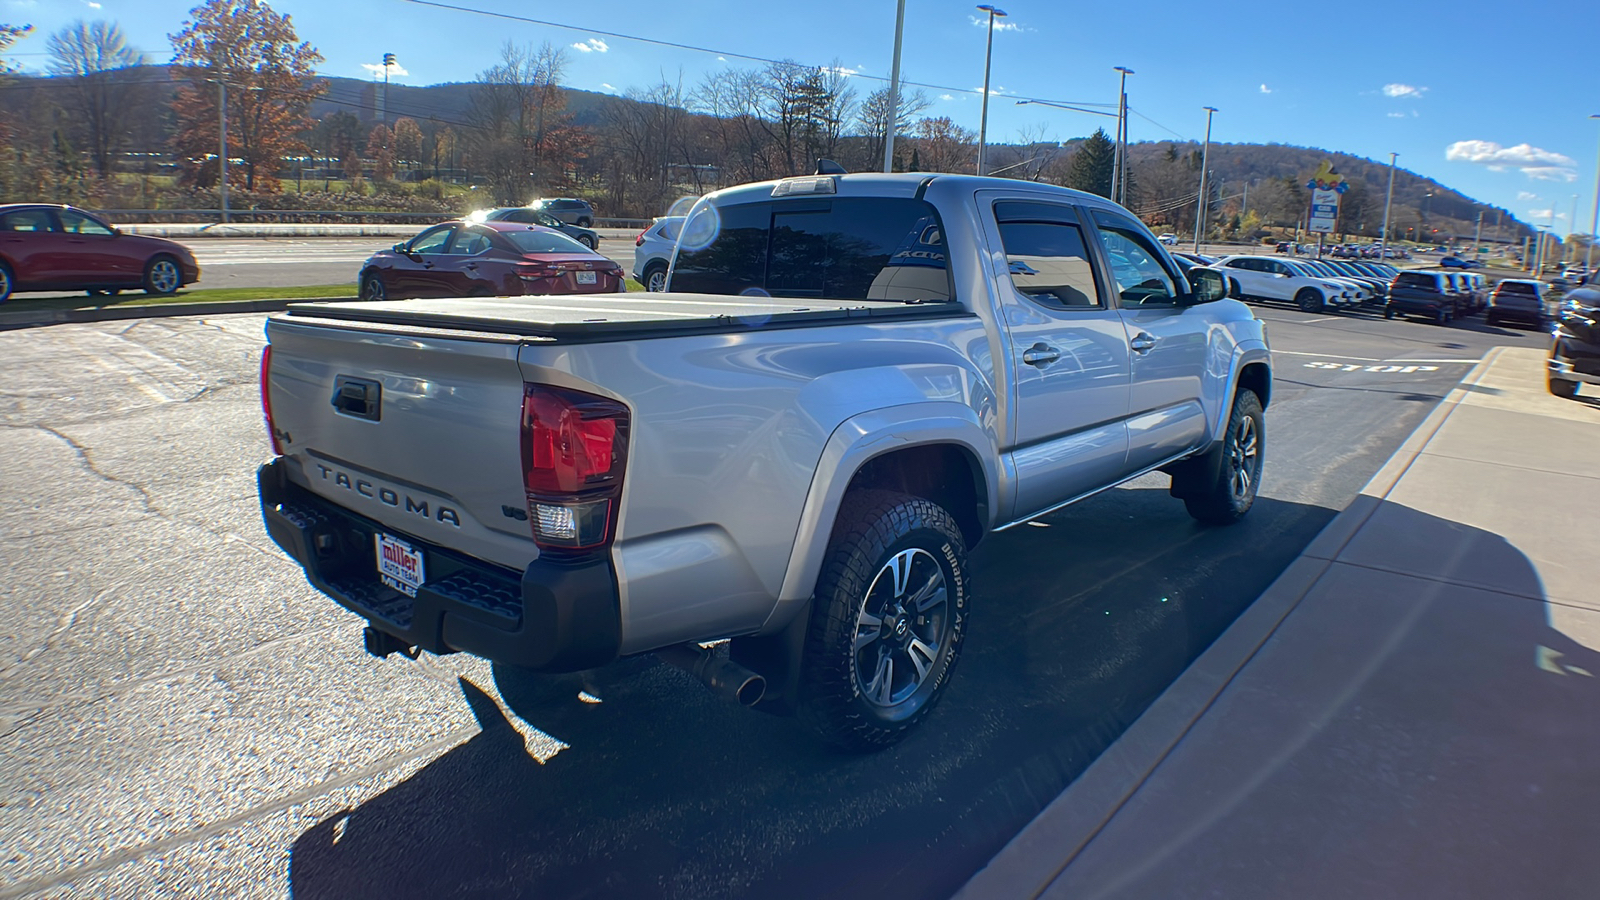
(993, 92)
(1543, 165)
(22, 4)
(999, 23)
(1391, 115)
(1396, 89)
(613, 90)
(395, 71)
(1545, 214)
(841, 70)
(1523, 196)
(592, 45)
(725, 59)
(950, 97)
(1264, 90)
(91, 4)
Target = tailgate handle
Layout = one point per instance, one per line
(358, 397)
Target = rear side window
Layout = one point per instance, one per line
(1045, 253)
(1512, 287)
(28, 220)
(1416, 280)
(867, 248)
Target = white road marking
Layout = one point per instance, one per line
(1461, 362)
(1326, 356)
(1387, 370)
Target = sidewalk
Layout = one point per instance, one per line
(1411, 710)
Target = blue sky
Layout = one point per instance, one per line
(1488, 98)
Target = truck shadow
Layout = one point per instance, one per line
(663, 790)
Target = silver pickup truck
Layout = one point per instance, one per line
(772, 473)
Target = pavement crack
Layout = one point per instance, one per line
(88, 463)
(65, 622)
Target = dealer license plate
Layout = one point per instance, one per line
(399, 564)
(586, 278)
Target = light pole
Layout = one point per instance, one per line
(1594, 221)
(383, 105)
(988, 55)
(1119, 168)
(894, 89)
(222, 148)
(1205, 157)
(1383, 242)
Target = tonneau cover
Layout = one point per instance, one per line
(606, 315)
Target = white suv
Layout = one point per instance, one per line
(652, 252)
(1266, 278)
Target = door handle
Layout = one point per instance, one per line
(1040, 354)
(1142, 342)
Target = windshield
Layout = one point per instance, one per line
(545, 242)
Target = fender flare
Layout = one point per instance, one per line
(855, 442)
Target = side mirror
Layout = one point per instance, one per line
(1209, 285)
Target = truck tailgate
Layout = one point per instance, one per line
(418, 431)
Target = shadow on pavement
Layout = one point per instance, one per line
(1399, 735)
(666, 791)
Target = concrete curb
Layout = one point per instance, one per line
(1033, 859)
(35, 318)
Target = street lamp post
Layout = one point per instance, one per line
(222, 149)
(894, 89)
(1594, 221)
(1388, 198)
(383, 105)
(1119, 168)
(988, 55)
(1205, 157)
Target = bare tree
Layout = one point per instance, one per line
(516, 114)
(102, 99)
(943, 146)
(872, 119)
(741, 142)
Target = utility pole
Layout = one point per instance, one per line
(1205, 160)
(894, 89)
(222, 150)
(1388, 198)
(1477, 235)
(1119, 168)
(1244, 205)
(988, 55)
(1572, 229)
(1594, 221)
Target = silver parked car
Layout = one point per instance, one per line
(567, 209)
(527, 215)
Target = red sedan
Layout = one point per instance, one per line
(487, 259)
(57, 248)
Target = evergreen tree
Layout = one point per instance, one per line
(1092, 166)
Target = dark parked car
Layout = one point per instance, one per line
(486, 259)
(567, 209)
(527, 215)
(1425, 294)
(1575, 352)
(1519, 300)
(57, 248)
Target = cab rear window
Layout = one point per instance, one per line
(867, 248)
(1416, 280)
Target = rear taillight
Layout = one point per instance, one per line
(266, 398)
(574, 451)
(638, 240)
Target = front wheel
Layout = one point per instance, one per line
(372, 287)
(161, 276)
(1243, 458)
(1388, 312)
(1308, 300)
(7, 283)
(886, 621)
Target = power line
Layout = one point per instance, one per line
(1159, 125)
(679, 46)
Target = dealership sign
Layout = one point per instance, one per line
(1325, 187)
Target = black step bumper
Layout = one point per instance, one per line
(558, 615)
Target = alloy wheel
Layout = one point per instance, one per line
(902, 627)
(164, 276)
(1244, 459)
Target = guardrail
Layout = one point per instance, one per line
(310, 216)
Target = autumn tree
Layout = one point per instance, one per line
(441, 147)
(270, 77)
(101, 99)
(407, 141)
(1093, 165)
(380, 149)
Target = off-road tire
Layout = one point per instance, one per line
(876, 528)
(1223, 503)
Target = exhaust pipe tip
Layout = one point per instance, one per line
(721, 676)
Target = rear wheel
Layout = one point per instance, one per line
(1441, 316)
(886, 622)
(372, 287)
(586, 240)
(7, 284)
(584, 222)
(1308, 300)
(1243, 457)
(655, 277)
(1388, 312)
(161, 276)
(1564, 389)
(1491, 319)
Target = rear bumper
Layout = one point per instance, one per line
(557, 615)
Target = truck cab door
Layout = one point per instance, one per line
(1068, 354)
(1169, 339)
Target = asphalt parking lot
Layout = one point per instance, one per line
(180, 714)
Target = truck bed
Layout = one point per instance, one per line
(615, 316)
